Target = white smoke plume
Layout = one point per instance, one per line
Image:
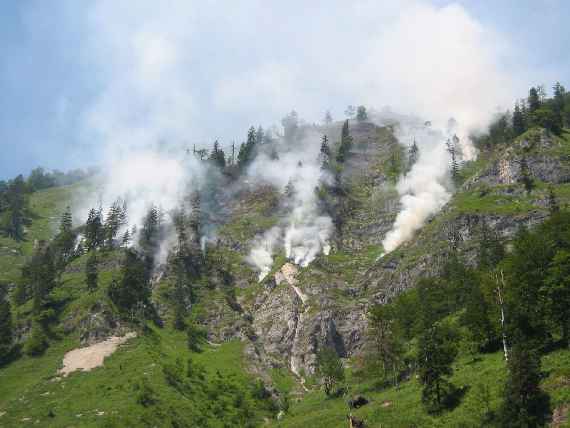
(426, 188)
(304, 232)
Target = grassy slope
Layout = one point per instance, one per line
(402, 407)
(28, 388)
(46, 206)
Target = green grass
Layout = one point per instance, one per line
(28, 388)
(402, 407)
(46, 207)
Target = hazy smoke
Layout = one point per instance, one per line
(303, 232)
(427, 187)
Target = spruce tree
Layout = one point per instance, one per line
(533, 100)
(553, 205)
(524, 405)
(518, 120)
(94, 232)
(556, 292)
(6, 327)
(345, 143)
(435, 357)
(217, 156)
(413, 154)
(325, 154)
(329, 369)
(65, 240)
(92, 272)
(526, 178)
(361, 114)
(328, 118)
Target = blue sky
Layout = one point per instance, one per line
(77, 78)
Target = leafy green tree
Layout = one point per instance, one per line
(361, 114)
(92, 272)
(435, 357)
(524, 405)
(329, 369)
(6, 327)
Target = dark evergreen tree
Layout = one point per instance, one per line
(6, 327)
(328, 118)
(361, 114)
(553, 205)
(385, 355)
(116, 218)
(196, 336)
(413, 155)
(217, 156)
(533, 100)
(329, 369)
(345, 143)
(94, 232)
(14, 215)
(556, 292)
(65, 240)
(524, 405)
(435, 356)
(247, 150)
(325, 154)
(131, 294)
(526, 178)
(92, 272)
(290, 126)
(452, 149)
(519, 125)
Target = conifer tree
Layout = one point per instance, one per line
(345, 143)
(116, 218)
(328, 118)
(217, 156)
(386, 347)
(452, 145)
(556, 292)
(553, 205)
(6, 327)
(526, 178)
(94, 232)
(248, 149)
(413, 154)
(92, 272)
(325, 154)
(65, 240)
(524, 405)
(518, 120)
(329, 369)
(361, 114)
(436, 354)
(533, 100)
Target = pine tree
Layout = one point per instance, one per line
(259, 136)
(386, 347)
(14, 217)
(526, 179)
(94, 232)
(524, 405)
(6, 328)
(361, 114)
(325, 154)
(558, 102)
(345, 143)
(453, 163)
(116, 218)
(329, 369)
(556, 292)
(328, 118)
(248, 149)
(92, 272)
(65, 240)
(131, 294)
(195, 219)
(436, 354)
(518, 120)
(533, 100)
(217, 156)
(413, 155)
(553, 206)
